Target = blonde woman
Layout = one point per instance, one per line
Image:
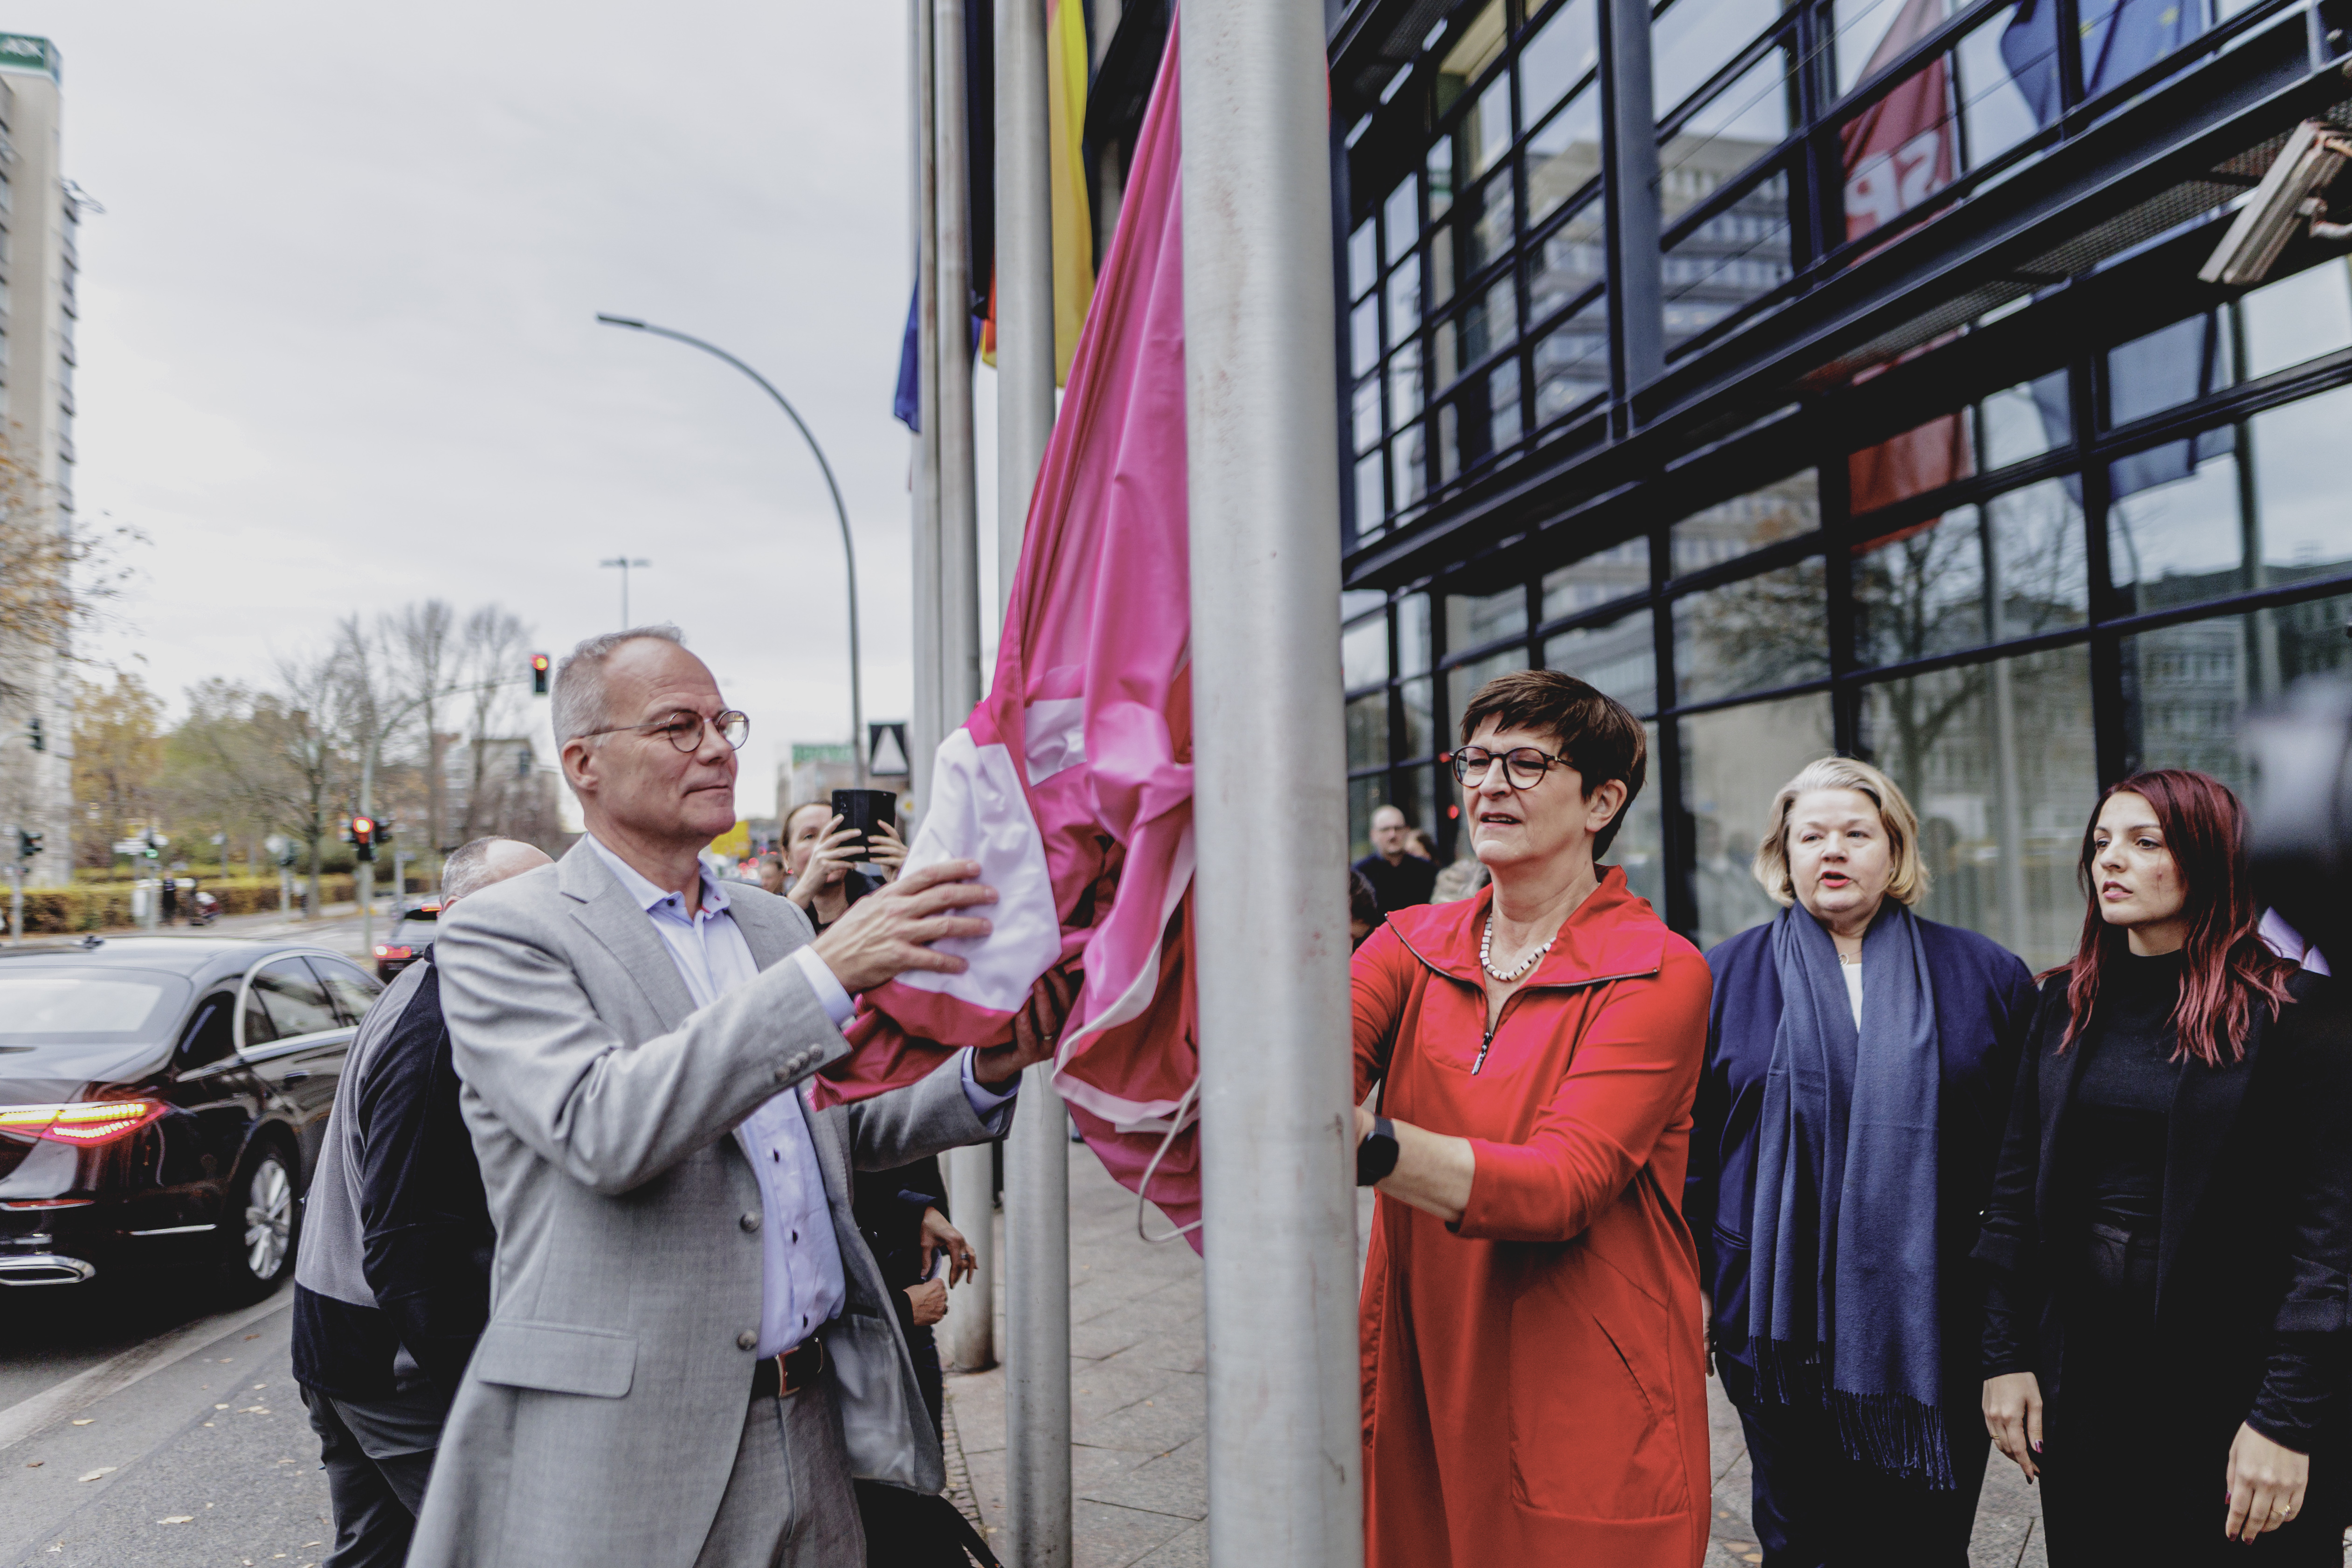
(1858, 1069)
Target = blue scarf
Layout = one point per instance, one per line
(1844, 1292)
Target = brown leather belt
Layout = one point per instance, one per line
(782, 1376)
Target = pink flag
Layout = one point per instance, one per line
(1071, 784)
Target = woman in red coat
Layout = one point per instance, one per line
(1534, 1382)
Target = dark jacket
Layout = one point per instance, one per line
(1398, 886)
(1984, 1002)
(425, 1226)
(889, 1206)
(2256, 1234)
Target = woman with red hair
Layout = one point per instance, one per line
(2171, 1218)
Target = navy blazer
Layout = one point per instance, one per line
(1984, 1008)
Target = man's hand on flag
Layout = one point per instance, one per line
(891, 930)
(1036, 1028)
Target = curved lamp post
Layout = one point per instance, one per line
(849, 550)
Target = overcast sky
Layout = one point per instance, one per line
(337, 346)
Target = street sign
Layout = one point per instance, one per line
(886, 750)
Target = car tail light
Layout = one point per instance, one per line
(83, 1121)
(384, 950)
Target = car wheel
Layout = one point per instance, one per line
(257, 1226)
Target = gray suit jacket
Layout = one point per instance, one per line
(599, 1418)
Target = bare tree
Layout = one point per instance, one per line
(221, 766)
(305, 727)
(426, 634)
(495, 646)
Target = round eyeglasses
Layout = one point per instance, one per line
(1523, 767)
(683, 730)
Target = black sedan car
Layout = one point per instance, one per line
(162, 1103)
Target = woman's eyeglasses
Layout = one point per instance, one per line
(684, 730)
(1523, 767)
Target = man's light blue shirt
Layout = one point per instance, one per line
(802, 1286)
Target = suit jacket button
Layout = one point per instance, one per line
(748, 1339)
(749, 1221)
(784, 1075)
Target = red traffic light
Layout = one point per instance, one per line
(538, 662)
(363, 830)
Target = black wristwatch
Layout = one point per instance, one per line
(1376, 1156)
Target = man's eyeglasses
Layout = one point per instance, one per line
(1524, 766)
(684, 730)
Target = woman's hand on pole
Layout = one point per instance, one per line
(2013, 1414)
(2266, 1484)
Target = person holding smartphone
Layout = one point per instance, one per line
(819, 852)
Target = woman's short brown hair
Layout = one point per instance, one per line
(1908, 882)
(1598, 735)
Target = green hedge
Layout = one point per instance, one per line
(106, 906)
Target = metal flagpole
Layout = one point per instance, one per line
(923, 726)
(1037, 1156)
(972, 1322)
(1276, 1157)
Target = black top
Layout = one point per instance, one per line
(1402, 886)
(425, 1226)
(2122, 1100)
(2254, 1213)
(888, 1207)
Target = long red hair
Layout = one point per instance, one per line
(2226, 967)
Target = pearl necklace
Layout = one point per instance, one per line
(1486, 945)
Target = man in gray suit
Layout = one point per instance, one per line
(690, 1351)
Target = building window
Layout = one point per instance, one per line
(1997, 761)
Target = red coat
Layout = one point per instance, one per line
(1533, 1378)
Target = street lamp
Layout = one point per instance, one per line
(623, 563)
(849, 550)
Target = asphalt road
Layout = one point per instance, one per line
(153, 1432)
(336, 928)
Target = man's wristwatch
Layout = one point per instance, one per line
(1376, 1156)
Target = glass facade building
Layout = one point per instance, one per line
(1836, 377)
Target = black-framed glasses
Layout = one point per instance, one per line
(1523, 767)
(683, 730)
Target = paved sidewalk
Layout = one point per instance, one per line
(1138, 1409)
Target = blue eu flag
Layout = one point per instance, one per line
(2120, 40)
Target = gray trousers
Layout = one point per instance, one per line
(788, 1503)
(374, 1489)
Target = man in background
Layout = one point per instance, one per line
(1398, 879)
(393, 1284)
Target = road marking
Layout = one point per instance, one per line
(85, 1388)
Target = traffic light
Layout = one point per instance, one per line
(363, 836)
(538, 675)
(155, 850)
(27, 845)
(34, 733)
(383, 828)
